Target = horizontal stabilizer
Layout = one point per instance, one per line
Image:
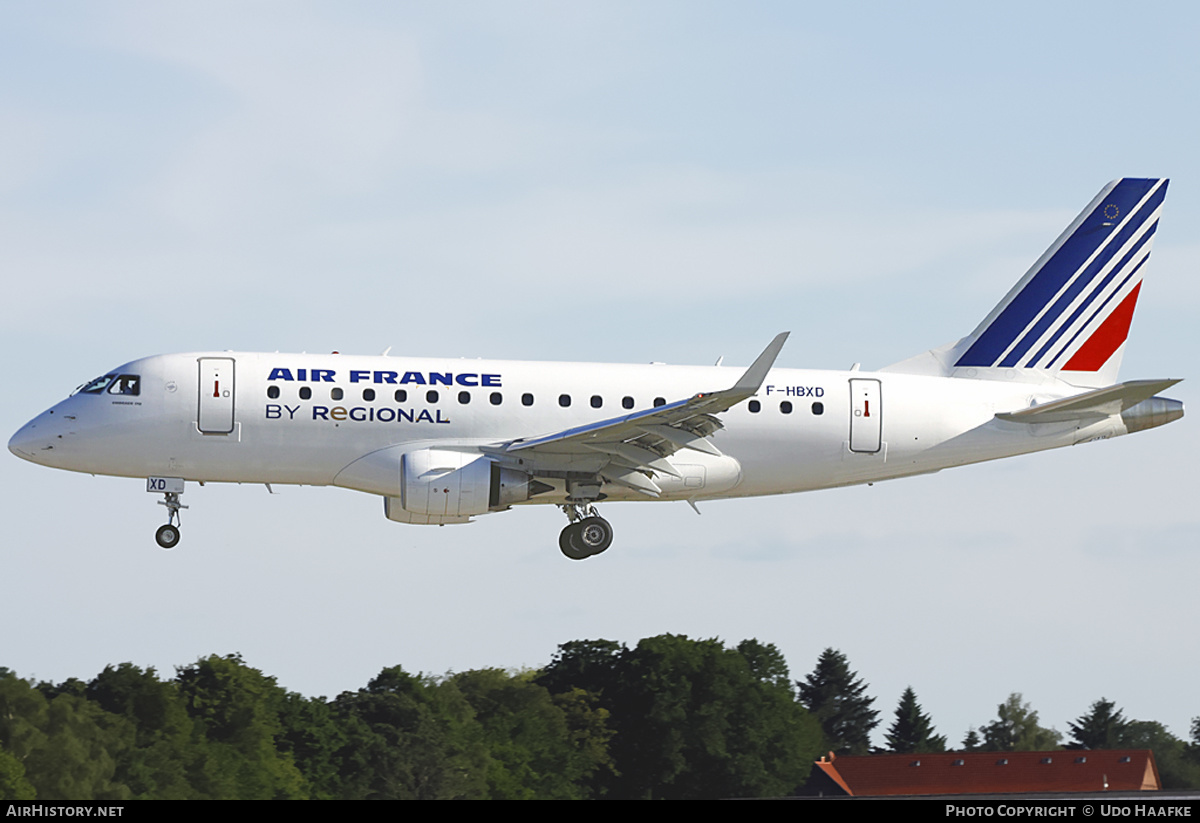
(1092, 404)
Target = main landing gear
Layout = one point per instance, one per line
(168, 535)
(587, 534)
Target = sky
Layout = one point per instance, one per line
(599, 181)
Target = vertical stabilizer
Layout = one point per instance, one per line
(1068, 317)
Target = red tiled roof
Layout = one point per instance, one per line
(995, 772)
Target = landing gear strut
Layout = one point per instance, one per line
(587, 534)
(168, 535)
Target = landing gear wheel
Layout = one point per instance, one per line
(587, 535)
(595, 534)
(568, 542)
(167, 536)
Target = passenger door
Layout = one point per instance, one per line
(215, 415)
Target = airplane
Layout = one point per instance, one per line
(443, 441)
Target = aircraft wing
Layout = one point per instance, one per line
(1092, 404)
(629, 449)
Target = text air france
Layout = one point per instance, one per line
(393, 378)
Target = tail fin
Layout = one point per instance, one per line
(1068, 317)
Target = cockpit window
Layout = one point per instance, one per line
(126, 384)
(96, 386)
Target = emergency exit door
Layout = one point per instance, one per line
(866, 416)
(215, 414)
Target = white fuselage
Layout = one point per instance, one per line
(279, 418)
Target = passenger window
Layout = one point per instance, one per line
(527, 399)
(786, 407)
(627, 402)
(368, 395)
(401, 395)
(818, 408)
(273, 392)
(755, 406)
(659, 401)
(305, 392)
(335, 393)
(496, 398)
(597, 401)
(464, 397)
(564, 400)
(431, 396)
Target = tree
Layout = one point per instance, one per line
(912, 731)
(237, 708)
(313, 736)
(837, 698)
(410, 737)
(692, 719)
(1016, 729)
(971, 743)
(68, 746)
(13, 785)
(1100, 728)
(164, 750)
(1175, 768)
(535, 750)
(1193, 746)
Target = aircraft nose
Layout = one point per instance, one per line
(36, 440)
(22, 444)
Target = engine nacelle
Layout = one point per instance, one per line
(444, 486)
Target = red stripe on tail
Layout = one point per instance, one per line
(1112, 333)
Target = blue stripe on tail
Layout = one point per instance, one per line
(1016, 322)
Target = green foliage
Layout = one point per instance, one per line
(1176, 768)
(536, 749)
(313, 735)
(13, 785)
(670, 718)
(691, 718)
(838, 700)
(1016, 729)
(410, 738)
(912, 730)
(164, 750)
(68, 746)
(1100, 728)
(237, 708)
(590, 733)
(1193, 745)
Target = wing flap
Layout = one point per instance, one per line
(631, 478)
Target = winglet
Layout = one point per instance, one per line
(757, 373)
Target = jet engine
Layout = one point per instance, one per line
(443, 486)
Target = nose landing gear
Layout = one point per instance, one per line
(168, 535)
(587, 534)
(170, 487)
